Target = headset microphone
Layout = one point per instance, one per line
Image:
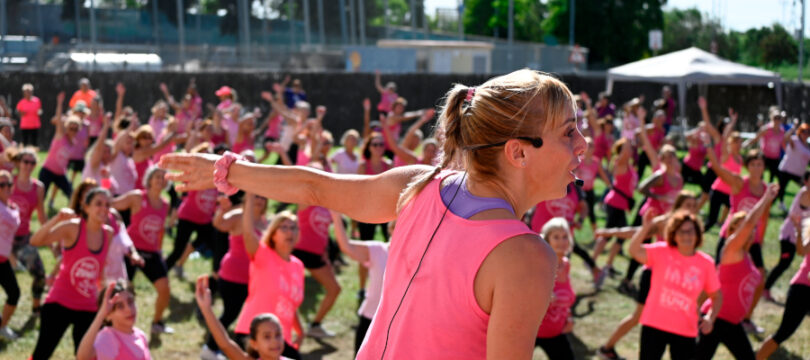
(579, 182)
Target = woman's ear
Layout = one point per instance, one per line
(515, 153)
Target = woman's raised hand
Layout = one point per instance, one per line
(190, 171)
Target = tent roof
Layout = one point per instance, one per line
(691, 65)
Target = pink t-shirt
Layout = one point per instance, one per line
(122, 168)
(387, 100)
(29, 113)
(198, 206)
(314, 224)
(274, 127)
(80, 142)
(656, 137)
(565, 207)
(626, 183)
(58, 155)
(601, 146)
(112, 344)
(146, 228)
(797, 155)
(801, 276)
(771, 141)
(676, 283)
(695, 158)
(587, 171)
(27, 202)
(441, 307)
(559, 310)
(9, 221)
(76, 284)
(738, 281)
(276, 286)
(668, 191)
(734, 167)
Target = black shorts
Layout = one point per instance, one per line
(310, 260)
(154, 267)
(756, 255)
(76, 165)
(644, 286)
(269, 140)
(692, 176)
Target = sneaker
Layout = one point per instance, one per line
(599, 280)
(627, 288)
(178, 271)
(608, 354)
(613, 272)
(318, 332)
(8, 334)
(161, 328)
(767, 295)
(782, 207)
(208, 354)
(752, 328)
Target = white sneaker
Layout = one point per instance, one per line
(161, 328)
(8, 334)
(752, 328)
(318, 332)
(208, 354)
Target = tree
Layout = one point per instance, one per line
(601, 25)
(483, 17)
(687, 28)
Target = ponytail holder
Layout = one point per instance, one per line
(470, 94)
(221, 168)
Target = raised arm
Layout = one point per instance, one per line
(55, 229)
(734, 250)
(366, 117)
(378, 83)
(87, 350)
(143, 153)
(356, 250)
(400, 151)
(229, 347)
(637, 250)
(126, 201)
(226, 218)
(735, 181)
(56, 120)
(729, 128)
(249, 237)
(97, 150)
(707, 120)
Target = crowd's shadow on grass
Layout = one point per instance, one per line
(318, 354)
(310, 304)
(589, 305)
(783, 354)
(181, 311)
(581, 351)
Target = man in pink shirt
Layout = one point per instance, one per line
(85, 93)
(29, 108)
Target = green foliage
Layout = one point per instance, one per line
(615, 31)
(484, 17)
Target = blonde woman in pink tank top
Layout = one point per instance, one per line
(515, 137)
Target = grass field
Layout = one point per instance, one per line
(597, 314)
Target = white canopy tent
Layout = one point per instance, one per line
(693, 66)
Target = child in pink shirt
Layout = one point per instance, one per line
(558, 322)
(113, 334)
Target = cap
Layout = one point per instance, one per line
(223, 91)
(81, 107)
(84, 81)
(27, 87)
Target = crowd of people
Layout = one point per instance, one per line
(482, 220)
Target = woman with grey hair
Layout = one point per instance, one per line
(29, 108)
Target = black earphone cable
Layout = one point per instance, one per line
(419, 265)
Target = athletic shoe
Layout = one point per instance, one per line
(318, 332)
(608, 354)
(612, 272)
(161, 328)
(8, 334)
(752, 328)
(627, 288)
(782, 207)
(208, 354)
(599, 280)
(178, 271)
(767, 295)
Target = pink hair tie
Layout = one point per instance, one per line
(470, 94)
(221, 168)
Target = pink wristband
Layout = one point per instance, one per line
(221, 168)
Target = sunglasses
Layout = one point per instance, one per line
(289, 228)
(29, 162)
(4, 185)
(377, 144)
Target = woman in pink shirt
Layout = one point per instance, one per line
(739, 279)
(770, 137)
(589, 170)
(276, 282)
(9, 222)
(797, 156)
(72, 298)
(493, 292)
(787, 235)
(55, 167)
(680, 273)
(145, 148)
(405, 150)
(552, 336)
(388, 94)
(29, 108)
(113, 334)
(797, 304)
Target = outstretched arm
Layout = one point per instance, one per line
(356, 250)
(637, 250)
(248, 235)
(218, 332)
(734, 250)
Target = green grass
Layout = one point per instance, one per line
(596, 314)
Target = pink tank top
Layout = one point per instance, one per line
(235, 265)
(9, 221)
(27, 202)
(695, 158)
(804, 270)
(76, 284)
(559, 310)
(731, 165)
(274, 127)
(58, 155)
(441, 306)
(275, 286)
(667, 190)
(601, 146)
(146, 228)
(314, 224)
(565, 207)
(627, 184)
(370, 170)
(587, 171)
(771, 142)
(198, 206)
(140, 169)
(79, 143)
(744, 201)
(657, 138)
(217, 139)
(245, 144)
(737, 283)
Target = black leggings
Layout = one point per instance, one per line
(590, 200)
(29, 136)
(773, 167)
(47, 177)
(221, 246)
(367, 231)
(654, 342)
(9, 283)
(784, 179)
(582, 253)
(53, 321)
(28, 256)
(643, 162)
(360, 333)
(716, 199)
(233, 297)
(788, 251)
(557, 347)
(616, 218)
(797, 306)
(731, 335)
(184, 230)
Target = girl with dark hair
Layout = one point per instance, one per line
(113, 334)
(72, 298)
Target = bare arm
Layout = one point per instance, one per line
(120, 90)
(637, 250)
(229, 347)
(366, 117)
(404, 154)
(707, 120)
(707, 322)
(143, 153)
(354, 249)
(378, 83)
(734, 250)
(126, 201)
(249, 237)
(732, 179)
(57, 228)
(41, 214)
(97, 151)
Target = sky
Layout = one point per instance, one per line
(737, 15)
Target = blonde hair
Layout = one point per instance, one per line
(521, 103)
(267, 237)
(557, 224)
